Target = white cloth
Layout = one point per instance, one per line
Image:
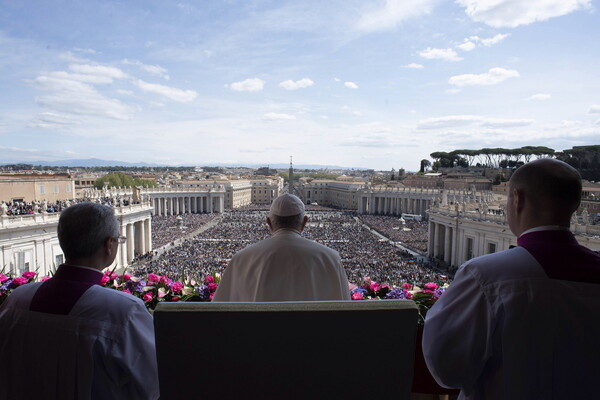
(103, 349)
(504, 330)
(284, 267)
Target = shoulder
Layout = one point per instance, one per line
(21, 296)
(515, 263)
(103, 303)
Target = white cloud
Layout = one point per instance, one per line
(125, 92)
(98, 70)
(295, 85)
(351, 85)
(594, 109)
(151, 69)
(337, 79)
(179, 95)
(473, 42)
(73, 97)
(492, 77)
(467, 45)
(539, 96)
(248, 85)
(278, 116)
(512, 13)
(94, 79)
(494, 40)
(440, 54)
(413, 66)
(452, 121)
(357, 113)
(505, 123)
(392, 14)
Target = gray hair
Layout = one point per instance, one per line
(84, 227)
(289, 222)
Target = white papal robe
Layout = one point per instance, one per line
(284, 267)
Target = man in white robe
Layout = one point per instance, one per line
(286, 266)
(524, 323)
(70, 338)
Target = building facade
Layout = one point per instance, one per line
(36, 187)
(30, 242)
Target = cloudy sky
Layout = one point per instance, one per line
(355, 83)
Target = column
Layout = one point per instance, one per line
(142, 237)
(130, 243)
(176, 204)
(436, 241)
(123, 248)
(454, 251)
(447, 244)
(431, 240)
(209, 204)
(148, 230)
(221, 204)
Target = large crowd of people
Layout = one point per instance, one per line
(17, 208)
(412, 234)
(363, 253)
(168, 228)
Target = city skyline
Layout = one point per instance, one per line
(378, 84)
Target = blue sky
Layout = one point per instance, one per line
(356, 83)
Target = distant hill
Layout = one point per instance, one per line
(96, 162)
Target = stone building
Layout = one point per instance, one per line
(36, 187)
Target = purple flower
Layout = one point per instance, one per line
(396, 293)
(203, 292)
(135, 286)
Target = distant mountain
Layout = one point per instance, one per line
(96, 162)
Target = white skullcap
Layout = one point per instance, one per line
(286, 205)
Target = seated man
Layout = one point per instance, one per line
(524, 323)
(68, 337)
(286, 266)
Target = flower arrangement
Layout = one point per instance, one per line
(424, 297)
(154, 289)
(8, 283)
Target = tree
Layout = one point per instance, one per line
(425, 164)
(119, 179)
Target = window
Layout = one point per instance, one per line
(68, 187)
(42, 189)
(55, 188)
(58, 260)
(491, 248)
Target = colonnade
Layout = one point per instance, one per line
(176, 204)
(139, 239)
(393, 204)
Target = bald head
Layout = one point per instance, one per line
(543, 192)
(549, 183)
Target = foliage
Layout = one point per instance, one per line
(586, 159)
(313, 175)
(119, 179)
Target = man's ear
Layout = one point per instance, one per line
(108, 245)
(269, 224)
(518, 200)
(304, 221)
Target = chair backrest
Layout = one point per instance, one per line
(289, 350)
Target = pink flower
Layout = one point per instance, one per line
(113, 276)
(164, 280)
(105, 279)
(212, 295)
(18, 281)
(357, 296)
(431, 286)
(375, 286)
(406, 286)
(127, 291)
(408, 295)
(29, 275)
(126, 277)
(212, 287)
(3, 278)
(384, 286)
(209, 279)
(176, 287)
(45, 278)
(152, 278)
(148, 296)
(175, 298)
